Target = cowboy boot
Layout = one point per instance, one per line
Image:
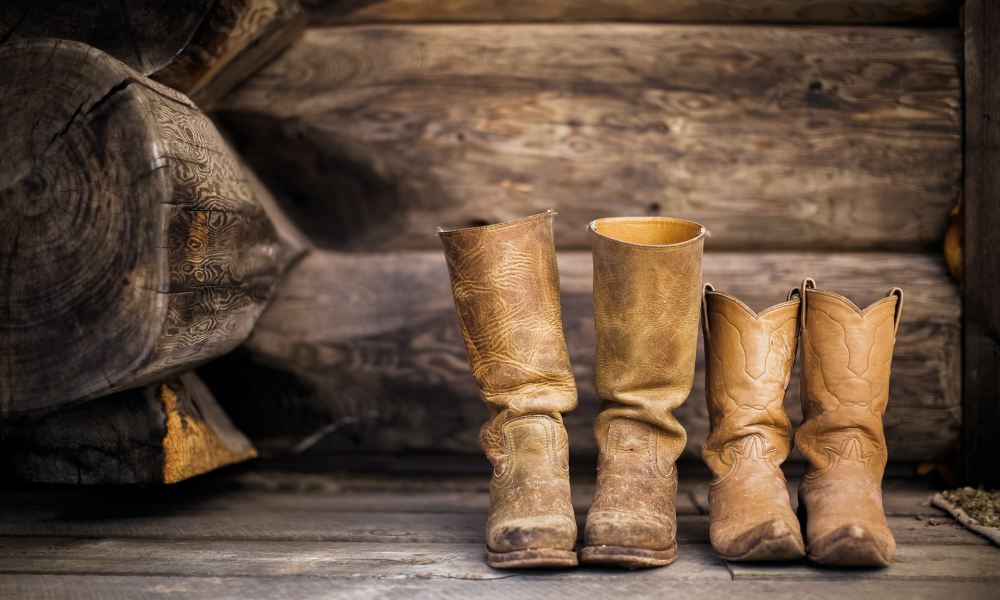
(846, 355)
(748, 361)
(647, 288)
(506, 288)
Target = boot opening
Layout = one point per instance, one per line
(648, 231)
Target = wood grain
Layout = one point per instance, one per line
(235, 39)
(131, 244)
(698, 11)
(421, 561)
(303, 541)
(146, 36)
(161, 433)
(981, 322)
(365, 348)
(580, 583)
(200, 47)
(774, 137)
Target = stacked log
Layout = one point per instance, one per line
(202, 48)
(134, 246)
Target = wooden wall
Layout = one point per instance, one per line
(818, 144)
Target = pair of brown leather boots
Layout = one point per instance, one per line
(846, 355)
(647, 299)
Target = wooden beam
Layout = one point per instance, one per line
(200, 47)
(161, 433)
(774, 137)
(236, 38)
(981, 312)
(132, 245)
(365, 350)
(146, 36)
(837, 12)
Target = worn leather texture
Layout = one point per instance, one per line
(506, 289)
(748, 362)
(647, 293)
(846, 359)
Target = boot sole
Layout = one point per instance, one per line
(531, 559)
(788, 547)
(630, 558)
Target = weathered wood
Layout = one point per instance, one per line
(146, 36)
(774, 137)
(370, 342)
(236, 38)
(242, 521)
(981, 321)
(216, 540)
(200, 47)
(911, 562)
(697, 11)
(161, 433)
(594, 583)
(131, 245)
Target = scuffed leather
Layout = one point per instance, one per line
(846, 359)
(748, 362)
(506, 288)
(647, 293)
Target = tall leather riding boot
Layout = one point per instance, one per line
(506, 287)
(846, 356)
(647, 293)
(748, 361)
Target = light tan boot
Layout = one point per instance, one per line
(647, 293)
(506, 287)
(748, 361)
(846, 356)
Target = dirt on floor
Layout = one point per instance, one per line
(981, 505)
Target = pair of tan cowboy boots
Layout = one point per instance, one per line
(846, 355)
(647, 293)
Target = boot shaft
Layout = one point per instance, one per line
(748, 362)
(647, 288)
(505, 284)
(846, 360)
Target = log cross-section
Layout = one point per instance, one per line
(132, 244)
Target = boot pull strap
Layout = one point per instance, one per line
(704, 309)
(898, 293)
(807, 284)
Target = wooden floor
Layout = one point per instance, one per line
(259, 533)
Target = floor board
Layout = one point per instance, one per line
(285, 535)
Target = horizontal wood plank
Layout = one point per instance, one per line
(978, 563)
(371, 339)
(428, 561)
(247, 522)
(774, 137)
(275, 559)
(651, 583)
(697, 11)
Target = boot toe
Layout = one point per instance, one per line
(525, 533)
(773, 540)
(854, 545)
(627, 529)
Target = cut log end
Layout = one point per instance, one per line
(198, 435)
(161, 433)
(131, 243)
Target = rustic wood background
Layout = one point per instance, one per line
(289, 203)
(831, 150)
